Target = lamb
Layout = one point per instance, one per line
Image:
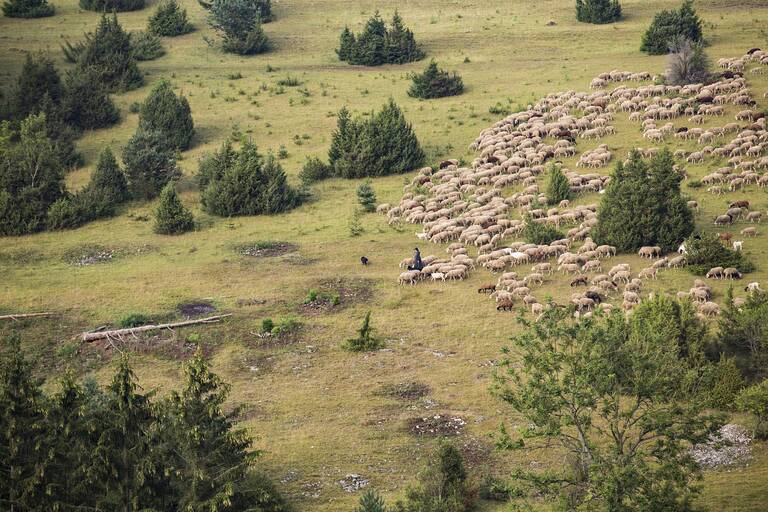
(753, 287)
(738, 245)
(752, 232)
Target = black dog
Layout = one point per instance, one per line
(364, 260)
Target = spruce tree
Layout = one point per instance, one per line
(214, 165)
(558, 186)
(61, 133)
(86, 104)
(690, 24)
(668, 26)
(108, 53)
(347, 45)
(238, 23)
(150, 163)
(24, 459)
(370, 501)
(598, 11)
(400, 45)
(38, 79)
(169, 20)
(370, 43)
(435, 83)
(109, 179)
(366, 196)
(111, 5)
(168, 114)
(171, 217)
(27, 8)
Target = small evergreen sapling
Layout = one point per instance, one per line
(370, 501)
(169, 20)
(171, 217)
(364, 340)
(109, 179)
(558, 186)
(435, 83)
(366, 196)
(168, 114)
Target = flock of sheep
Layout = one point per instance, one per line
(469, 206)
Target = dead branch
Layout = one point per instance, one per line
(16, 316)
(93, 336)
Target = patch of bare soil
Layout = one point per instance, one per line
(410, 390)
(266, 249)
(194, 309)
(335, 294)
(283, 338)
(437, 425)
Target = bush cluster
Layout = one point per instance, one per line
(377, 44)
(668, 26)
(238, 23)
(27, 8)
(434, 82)
(598, 11)
(705, 251)
(146, 45)
(539, 233)
(111, 5)
(558, 186)
(169, 20)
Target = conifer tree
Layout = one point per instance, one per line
(598, 11)
(109, 179)
(168, 114)
(366, 196)
(400, 45)
(150, 163)
(86, 104)
(169, 20)
(370, 501)
(690, 24)
(435, 83)
(108, 53)
(558, 186)
(238, 23)
(27, 8)
(61, 134)
(171, 217)
(347, 45)
(668, 26)
(214, 165)
(377, 45)
(38, 79)
(112, 5)
(24, 457)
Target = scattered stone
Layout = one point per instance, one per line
(437, 425)
(353, 483)
(409, 390)
(266, 249)
(729, 446)
(290, 476)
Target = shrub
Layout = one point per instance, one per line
(370, 501)
(27, 8)
(169, 20)
(667, 26)
(38, 78)
(380, 145)
(150, 163)
(687, 63)
(377, 45)
(754, 400)
(289, 81)
(111, 5)
(134, 320)
(107, 52)
(435, 83)
(743, 332)
(71, 212)
(314, 170)
(643, 206)
(364, 340)
(706, 251)
(168, 114)
(541, 234)
(366, 196)
(285, 325)
(558, 186)
(238, 23)
(598, 11)
(267, 325)
(86, 104)
(146, 46)
(246, 184)
(355, 228)
(726, 383)
(109, 179)
(171, 217)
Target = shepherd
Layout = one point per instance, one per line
(417, 263)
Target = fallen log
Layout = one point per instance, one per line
(119, 333)
(23, 315)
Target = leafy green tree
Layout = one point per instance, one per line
(444, 486)
(168, 114)
(365, 340)
(558, 186)
(435, 83)
(370, 501)
(24, 458)
(643, 206)
(598, 11)
(238, 23)
(754, 400)
(171, 217)
(169, 20)
(86, 104)
(27, 8)
(109, 179)
(246, 185)
(31, 177)
(150, 163)
(668, 26)
(111, 5)
(744, 334)
(107, 52)
(618, 399)
(366, 196)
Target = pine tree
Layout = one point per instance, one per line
(150, 164)
(169, 20)
(400, 45)
(109, 179)
(62, 134)
(366, 196)
(238, 23)
(27, 8)
(214, 165)
(558, 186)
(370, 43)
(111, 5)
(347, 45)
(377, 45)
(690, 24)
(24, 459)
(108, 53)
(598, 11)
(38, 79)
(86, 104)
(365, 340)
(435, 83)
(168, 114)
(668, 26)
(171, 217)
(370, 501)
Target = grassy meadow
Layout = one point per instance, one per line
(313, 407)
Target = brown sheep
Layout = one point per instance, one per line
(505, 305)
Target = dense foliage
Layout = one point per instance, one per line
(382, 144)
(434, 82)
(238, 23)
(558, 186)
(27, 8)
(111, 5)
(668, 26)
(146, 45)
(540, 233)
(622, 400)
(109, 178)
(244, 183)
(643, 206)
(377, 44)
(171, 217)
(366, 197)
(598, 11)
(86, 104)
(84, 447)
(314, 170)
(705, 251)
(169, 20)
(754, 400)
(744, 335)
(168, 114)
(150, 163)
(687, 63)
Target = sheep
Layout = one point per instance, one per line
(738, 245)
(622, 275)
(487, 288)
(649, 252)
(677, 262)
(723, 220)
(753, 287)
(579, 281)
(754, 217)
(437, 276)
(409, 277)
(505, 305)
(731, 273)
(709, 309)
(648, 273)
(752, 232)
(715, 273)
(406, 263)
